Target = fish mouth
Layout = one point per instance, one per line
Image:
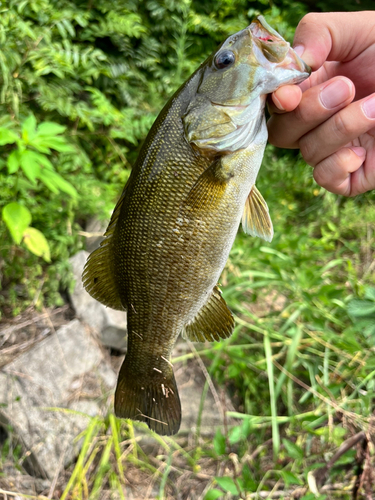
(295, 63)
(278, 50)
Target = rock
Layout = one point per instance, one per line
(67, 370)
(190, 381)
(110, 324)
(20, 482)
(97, 228)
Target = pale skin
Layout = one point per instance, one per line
(330, 117)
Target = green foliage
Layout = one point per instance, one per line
(80, 86)
(362, 313)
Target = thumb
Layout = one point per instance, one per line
(333, 36)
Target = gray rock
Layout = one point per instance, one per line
(110, 324)
(67, 370)
(97, 229)
(17, 481)
(190, 381)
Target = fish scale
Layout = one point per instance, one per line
(172, 229)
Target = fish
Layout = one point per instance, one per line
(171, 231)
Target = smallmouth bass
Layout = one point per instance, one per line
(173, 227)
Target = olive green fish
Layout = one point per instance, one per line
(172, 229)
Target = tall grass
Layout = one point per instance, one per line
(299, 367)
(300, 371)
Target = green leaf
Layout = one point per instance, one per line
(361, 308)
(17, 218)
(236, 434)
(50, 129)
(43, 160)
(293, 451)
(7, 136)
(369, 328)
(290, 478)
(219, 443)
(30, 165)
(36, 242)
(29, 128)
(312, 496)
(213, 494)
(13, 161)
(228, 484)
(370, 293)
(59, 144)
(54, 181)
(39, 144)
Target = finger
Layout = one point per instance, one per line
(343, 127)
(336, 173)
(317, 105)
(335, 36)
(285, 98)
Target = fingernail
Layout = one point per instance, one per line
(277, 102)
(361, 152)
(335, 93)
(369, 107)
(300, 49)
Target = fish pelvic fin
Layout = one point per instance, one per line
(213, 322)
(153, 400)
(256, 219)
(98, 275)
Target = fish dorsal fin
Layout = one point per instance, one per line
(256, 219)
(214, 321)
(98, 275)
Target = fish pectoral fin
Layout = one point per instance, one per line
(207, 190)
(98, 276)
(256, 219)
(152, 399)
(214, 321)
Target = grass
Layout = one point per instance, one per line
(300, 368)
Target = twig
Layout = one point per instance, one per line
(14, 328)
(208, 378)
(289, 495)
(90, 235)
(320, 475)
(350, 415)
(59, 467)
(23, 495)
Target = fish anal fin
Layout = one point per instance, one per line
(256, 219)
(213, 322)
(153, 399)
(98, 275)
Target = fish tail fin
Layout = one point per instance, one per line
(153, 399)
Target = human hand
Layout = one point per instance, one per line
(331, 116)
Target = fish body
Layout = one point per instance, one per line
(172, 229)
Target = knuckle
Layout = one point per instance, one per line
(308, 150)
(341, 127)
(320, 176)
(301, 117)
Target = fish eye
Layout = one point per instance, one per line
(224, 59)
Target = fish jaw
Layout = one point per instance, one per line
(226, 113)
(280, 63)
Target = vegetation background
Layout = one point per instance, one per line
(80, 85)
